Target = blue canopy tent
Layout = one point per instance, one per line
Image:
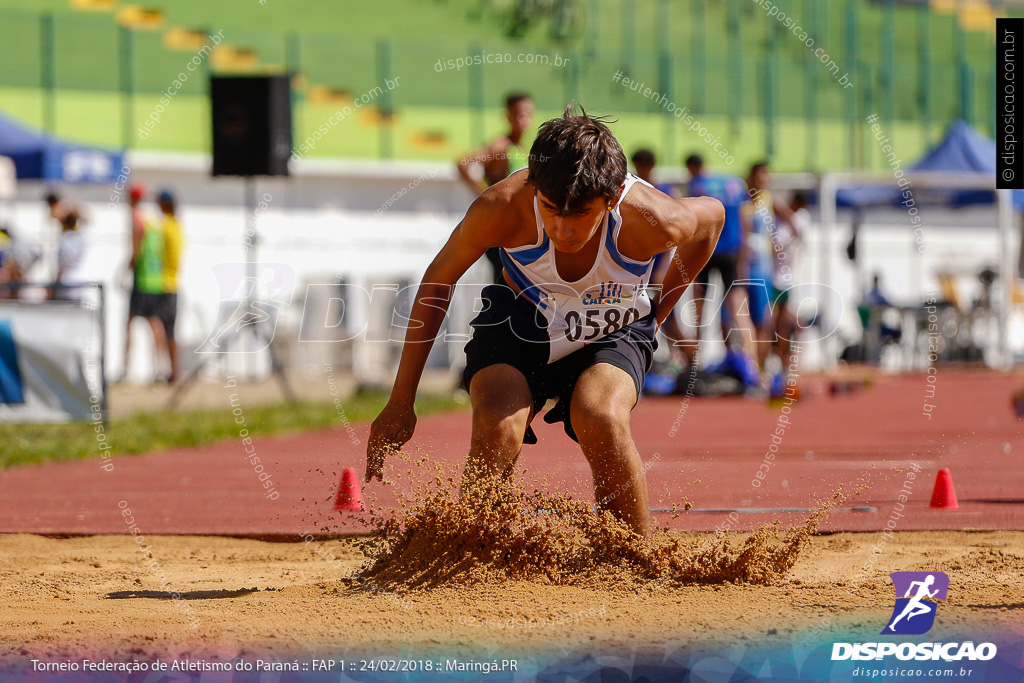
(962, 150)
(38, 156)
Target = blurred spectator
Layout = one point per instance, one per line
(644, 162)
(9, 272)
(57, 207)
(726, 261)
(167, 299)
(142, 301)
(70, 256)
(875, 297)
(16, 258)
(502, 156)
(786, 247)
(761, 216)
(874, 312)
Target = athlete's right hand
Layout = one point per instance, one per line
(389, 432)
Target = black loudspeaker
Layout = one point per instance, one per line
(252, 125)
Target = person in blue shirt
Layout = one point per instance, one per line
(644, 163)
(728, 259)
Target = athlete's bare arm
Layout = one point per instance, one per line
(493, 220)
(782, 211)
(746, 228)
(494, 153)
(691, 225)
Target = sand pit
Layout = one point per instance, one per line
(502, 529)
(74, 596)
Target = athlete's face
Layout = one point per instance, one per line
(569, 233)
(760, 178)
(520, 115)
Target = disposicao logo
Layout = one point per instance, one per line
(913, 615)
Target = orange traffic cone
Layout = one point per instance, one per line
(944, 496)
(350, 498)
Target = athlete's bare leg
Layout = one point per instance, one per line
(172, 353)
(673, 331)
(764, 341)
(127, 347)
(698, 307)
(160, 342)
(742, 323)
(502, 408)
(600, 408)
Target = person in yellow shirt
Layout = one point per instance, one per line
(167, 299)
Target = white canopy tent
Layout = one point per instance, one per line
(832, 183)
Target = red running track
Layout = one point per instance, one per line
(705, 451)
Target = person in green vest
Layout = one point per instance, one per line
(149, 280)
(501, 157)
(140, 303)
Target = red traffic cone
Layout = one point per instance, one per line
(350, 498)
(944, 496)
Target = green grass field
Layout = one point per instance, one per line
(27, 444)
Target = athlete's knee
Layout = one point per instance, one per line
(496, 425)
(598, 420)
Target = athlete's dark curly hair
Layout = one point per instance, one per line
(576, 159)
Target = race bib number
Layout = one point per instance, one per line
(601, 310)
(593, 323)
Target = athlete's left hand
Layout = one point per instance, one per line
(389, 432)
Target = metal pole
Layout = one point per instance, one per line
(888, 76)
(827, 193)
(104, 405)
(592, 37)
(960, 61)
(665, 77)
(810, 91)
(1007, 274)
(698, 56)
(385, 108)
(250, 259)
(126, 77)
(293, 66)
(49, 78)
(628, 37)
(851, 59)
(476, 95)
(924, 67)
(771, 78)
(662, 26)
(572, 78)
(735, 28)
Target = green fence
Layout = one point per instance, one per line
(749, 80)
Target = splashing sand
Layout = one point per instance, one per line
(502, 532)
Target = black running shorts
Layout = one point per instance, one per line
(513, 331)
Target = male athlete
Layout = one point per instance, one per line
(573, 319)
(502, 156)
(759, 216)
(728, 259)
